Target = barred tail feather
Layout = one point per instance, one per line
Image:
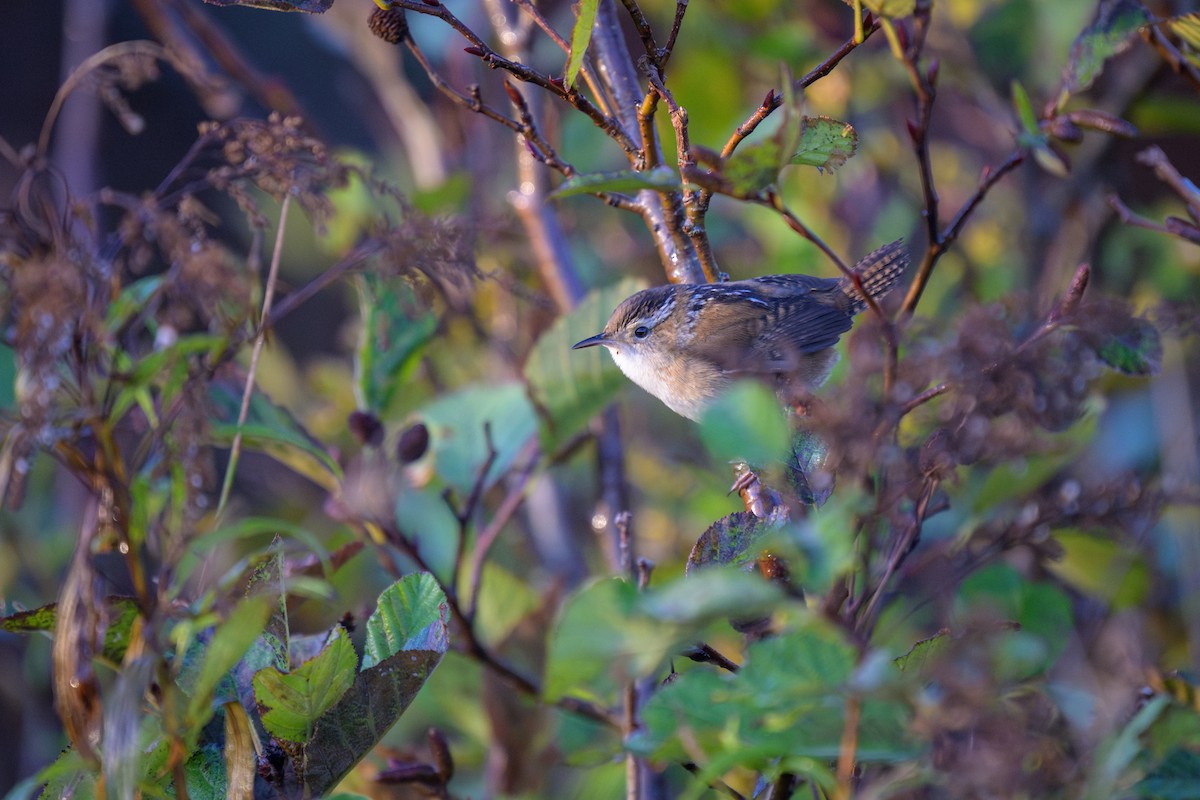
(878, 273)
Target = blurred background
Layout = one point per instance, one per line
(372, 105)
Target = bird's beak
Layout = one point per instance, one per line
(591, 341)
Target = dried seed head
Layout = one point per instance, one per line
(388, 24)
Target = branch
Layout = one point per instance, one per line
(259, 341)
(940, 243)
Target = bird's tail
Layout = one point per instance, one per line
(877, 273)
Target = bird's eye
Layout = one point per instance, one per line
(641, 332)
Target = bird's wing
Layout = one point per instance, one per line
(770, 325)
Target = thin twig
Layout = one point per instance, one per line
(677, 23)
(467, 511)
(642, 26)
(988, 179)
(483, 542)
(774, 201)
(259, 341)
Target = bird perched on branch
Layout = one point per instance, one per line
(686, 343)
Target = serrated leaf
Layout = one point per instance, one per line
(403, 648)
(1109, 34)
(411, 615)
(729, 540)
(569, 387)
(753, 167)
(659, 179)
(825, 143)
(581, 36)
(1134, 351)
(292, 702)
(920, 653)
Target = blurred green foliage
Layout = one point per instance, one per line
(1025, 615)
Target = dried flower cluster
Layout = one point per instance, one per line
(278, 157)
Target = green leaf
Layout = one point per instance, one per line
(754, 167)
(504, 601)
(825, 143)
(746, 423)
(456, 423)
(1109, 34)
(130, 301)
(788, 701)
(581, 36)
(610, 631)
(395, 332)
(569, 387)
(707, 596)
(8, 377)
(411, 615)
(271, 429)
(1042, 611)
(406, 639)
(628, 181)
(922, 652)
(229, 642)
(594, 633)
(292, 702)
(121, 611)
(733, 539)
(1134, 351)
(1176, 778)
(1024, 109)
(890, 8)
(1014, 481)
(1101, 567)
(1117, 751)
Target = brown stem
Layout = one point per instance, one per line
(848, 751)
(938, 246)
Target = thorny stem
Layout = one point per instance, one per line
(259, 340)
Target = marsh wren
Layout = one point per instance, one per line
(685, 343)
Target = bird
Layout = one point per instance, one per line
(686, 343)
